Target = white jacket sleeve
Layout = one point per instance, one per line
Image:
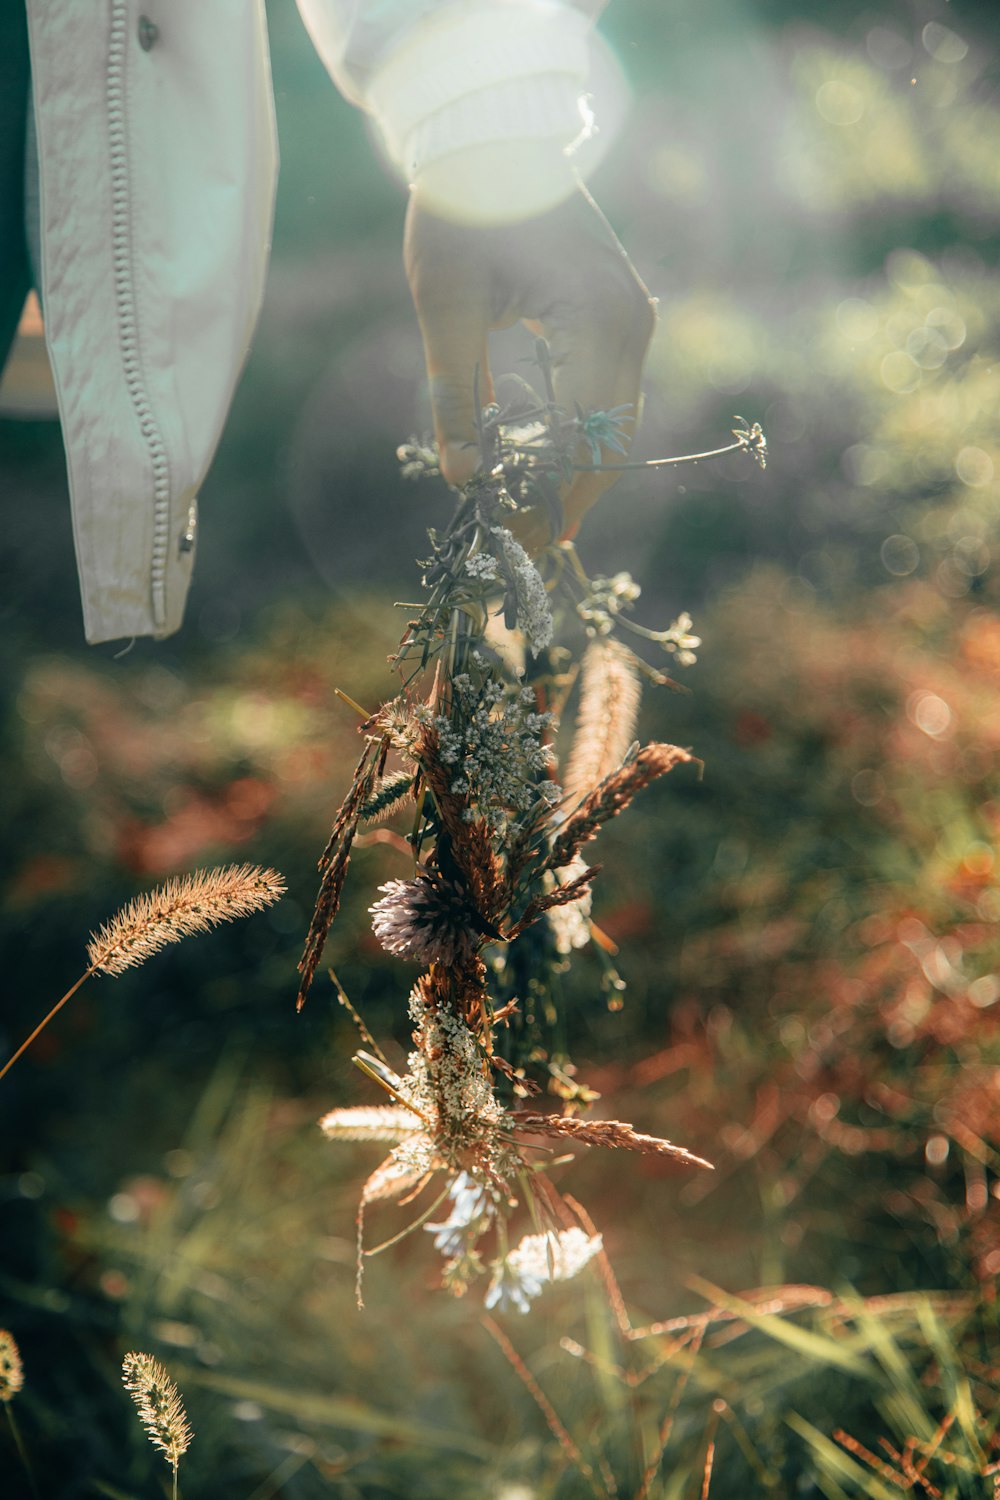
(157, 165)
(441, 76)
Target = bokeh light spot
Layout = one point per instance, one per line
(857, 319)
(951, 580)
(825, 1108)
(971, 556)
(909, 270)
(974, 467)
(936, 1150)
(927, 347)
(948, 324)
(985, 992)
(929, 713)
(114, 1284)
(900, 554)
(123, 1208)
(978, 859)
(868, 788)
(247, 1411)
(840, 103)
(864, 464)
(179, 1163)
(944, 45)
(988, 906)
(676, 173)
(900, 373)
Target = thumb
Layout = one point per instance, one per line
(450, 290)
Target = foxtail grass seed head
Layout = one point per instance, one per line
(189, 904)
(11, 1369)
(610, 691)
(370, 1122)
(570, 922)
(161, 1410)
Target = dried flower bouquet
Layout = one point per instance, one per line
(496, 896)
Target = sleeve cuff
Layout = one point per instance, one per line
(545, 107)
(475, 76)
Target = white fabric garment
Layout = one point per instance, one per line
(157, 170)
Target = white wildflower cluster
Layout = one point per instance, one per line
(447, 1119)
(538, 1259)
(534, 616)
(607, 599)
(418, 459)
(681, 642)
(448, 1085)
(482, 566)
(471, 1211)
(570, 924)
(494, 742)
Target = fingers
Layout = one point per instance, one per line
(450, 285)
(568, 276)
(563, 272)
(599, 342)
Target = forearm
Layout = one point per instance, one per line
(443, 76)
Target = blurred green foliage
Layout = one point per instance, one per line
(808, 933)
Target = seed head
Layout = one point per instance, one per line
(193, 903)
(11, 1369)
(161, 1410)
(427, 919)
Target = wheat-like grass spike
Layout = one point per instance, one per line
(160, 1408)
(610, 691)
(189, 904)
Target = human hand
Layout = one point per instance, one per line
(562, 272)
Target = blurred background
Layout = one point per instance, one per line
(808, 933)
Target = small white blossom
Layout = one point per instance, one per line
(607, 599)
(469, 1207)
(511, 1290)
(539, 1258)
(481, 566)
(678, 639)
(554, 1257)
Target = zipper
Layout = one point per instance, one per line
(128, 333)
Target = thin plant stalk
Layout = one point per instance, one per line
(22, 1452)
(656, 463)
(42, 1024)
(555, 1424)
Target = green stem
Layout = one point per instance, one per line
(22, 1452)
(386, 1244)
(654, 463)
